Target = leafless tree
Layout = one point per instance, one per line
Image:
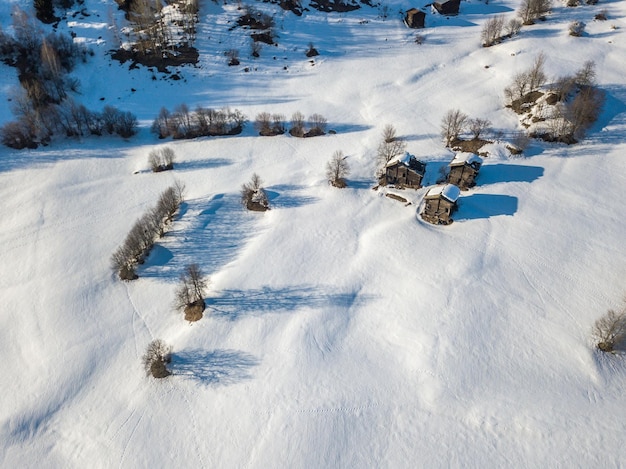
(337, 169)
(584, 110)
(477, 126)
(536, 74)
(531, 10)
(192, 287)
(586, 76)
(161, 159)
(513, 27)
(297, 124)
(492, 31)
(452, 125)
(253, 196)
(609, 331)
(389, 133)
(263, 123)
(278, 123)
(155, 359)
(233, 56)
(318, 124)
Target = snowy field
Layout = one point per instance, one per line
(341, 330)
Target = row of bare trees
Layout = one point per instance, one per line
(274, 124)
(145, 231)
(200, 122)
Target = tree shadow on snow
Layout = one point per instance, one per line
(477, 206)
(217, 367)
(206, 163)
(495, 173)
(286, 196)
(233, 304)
(209, 232)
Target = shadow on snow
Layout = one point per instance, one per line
(217, 367)
(233, 304)
(477, 206)
(495, 173)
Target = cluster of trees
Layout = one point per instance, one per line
(145, 231)
(253, 196)
(155, 33)
(455, 122)
(201, 122)
(45, 9)
(497, 28)
(43, 106)
(161, 159)
(274, 124)
(575, 103)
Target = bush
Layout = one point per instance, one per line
(162, 159)
(609, 331)
(297, 124)
(531, 10)
(576, 28)
(17, 135)
(183, 123)
(337, 170)
(158, 354)
(253, 196)
(492, 31)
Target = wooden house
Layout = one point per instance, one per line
(463, 170)
(406, 171)
(449, 8)
(439, 203)
(414, 18)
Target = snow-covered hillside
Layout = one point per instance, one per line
(341, 330)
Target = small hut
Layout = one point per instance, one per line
(415, 18)
(463, 170)
(439, 203)
(449, 8)
(406, 171)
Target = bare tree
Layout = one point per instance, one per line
(389, 133)
(297, 124)
(531, 10)
(278, 124)
(536, 74)
(477, 126)
(452, 125)
(190, 293)
(161, 159)
(513, 27)
(253, 196)
(318, 125)
(337, 169)
(155, 359)
(492, 31)
(610, 331)
(233, 56)
(388, 150)
(584, 110)
(263, 123)
(586, 76)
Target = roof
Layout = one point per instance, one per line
(409, 161)
(466, 158)
(447, 191)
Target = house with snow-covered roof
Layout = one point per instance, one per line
(405, 171)
(439, 203)
(463, 170)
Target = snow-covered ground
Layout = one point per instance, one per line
(341, 330)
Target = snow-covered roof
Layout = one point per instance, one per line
(404, 159)
(448, 191)
(466, 157)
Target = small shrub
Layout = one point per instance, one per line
(311, 51)
(492, 31)
(318, 125)
(297, 124)
(162, 159)
(233, 57)
(158, 354)
(419, 39)
(576, 28)
(513, 27)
